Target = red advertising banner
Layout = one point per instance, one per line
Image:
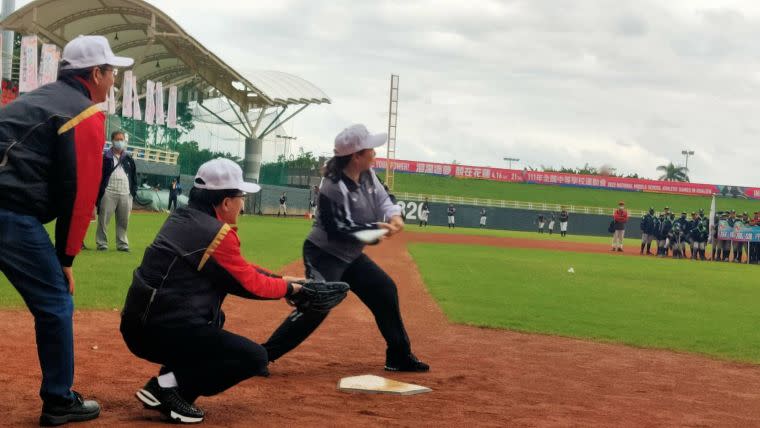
(462, 171)
(564, 179)
(619, 183)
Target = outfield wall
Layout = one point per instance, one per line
(267, 202)
(564, 179)
(514, 219)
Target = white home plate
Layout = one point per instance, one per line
(372, 384)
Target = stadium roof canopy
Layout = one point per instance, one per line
(164, 52)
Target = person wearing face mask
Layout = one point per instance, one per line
(51, 146)
(173, 311)
(117, 188)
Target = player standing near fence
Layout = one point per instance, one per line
(283, 205)
(647, 231)
(564, 216)
(451, 213)
(620, 217)
(424, 213)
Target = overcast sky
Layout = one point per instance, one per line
(624, 83)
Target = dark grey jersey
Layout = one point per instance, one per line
(346, 207)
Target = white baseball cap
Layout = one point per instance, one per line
(89, 51)
(223, 174)
(356, 138)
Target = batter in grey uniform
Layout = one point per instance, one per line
(351, 199)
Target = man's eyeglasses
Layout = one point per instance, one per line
(105, 69)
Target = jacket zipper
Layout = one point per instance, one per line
(147, 308)
(7, 152)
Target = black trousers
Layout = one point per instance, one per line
(367, 280)
(205, 360)
(172, 199)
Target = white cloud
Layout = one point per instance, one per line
(552, 85)
(624, 82)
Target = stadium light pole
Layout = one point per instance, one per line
(287, 139)
(687, 153)
(510, 160)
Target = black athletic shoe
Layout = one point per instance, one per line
(407, 363)
(169, 402)
(75, 410)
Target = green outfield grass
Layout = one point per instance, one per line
(500, 233)
(701, 307)
(430, 184)
(102, 278)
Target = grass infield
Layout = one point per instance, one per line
(700, 307)
(103, 277)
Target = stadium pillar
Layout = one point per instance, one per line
(9, 6)
(251, 169)
(252, 160)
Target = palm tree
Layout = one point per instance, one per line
(673, 173)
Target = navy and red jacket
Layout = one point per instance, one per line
(51, 155)
(189, 269)
(621, 217)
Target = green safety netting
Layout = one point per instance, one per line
(155, 200)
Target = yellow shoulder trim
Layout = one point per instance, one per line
(79, 118)
(215, 243)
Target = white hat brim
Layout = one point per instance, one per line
(120, 61)
(375, 140)
(249, 187)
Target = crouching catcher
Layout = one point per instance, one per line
(173, 313)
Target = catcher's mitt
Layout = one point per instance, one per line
(320, 296)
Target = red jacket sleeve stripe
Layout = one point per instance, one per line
(89, 139)
(227, 255)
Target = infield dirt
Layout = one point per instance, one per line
(479, 377)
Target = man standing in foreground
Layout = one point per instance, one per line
(118, 186)
(51, 154)
(620, 216)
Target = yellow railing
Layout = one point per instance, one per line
(152, 155)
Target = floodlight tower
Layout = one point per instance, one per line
(510, 160)
(392, 118)
(687, 153)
